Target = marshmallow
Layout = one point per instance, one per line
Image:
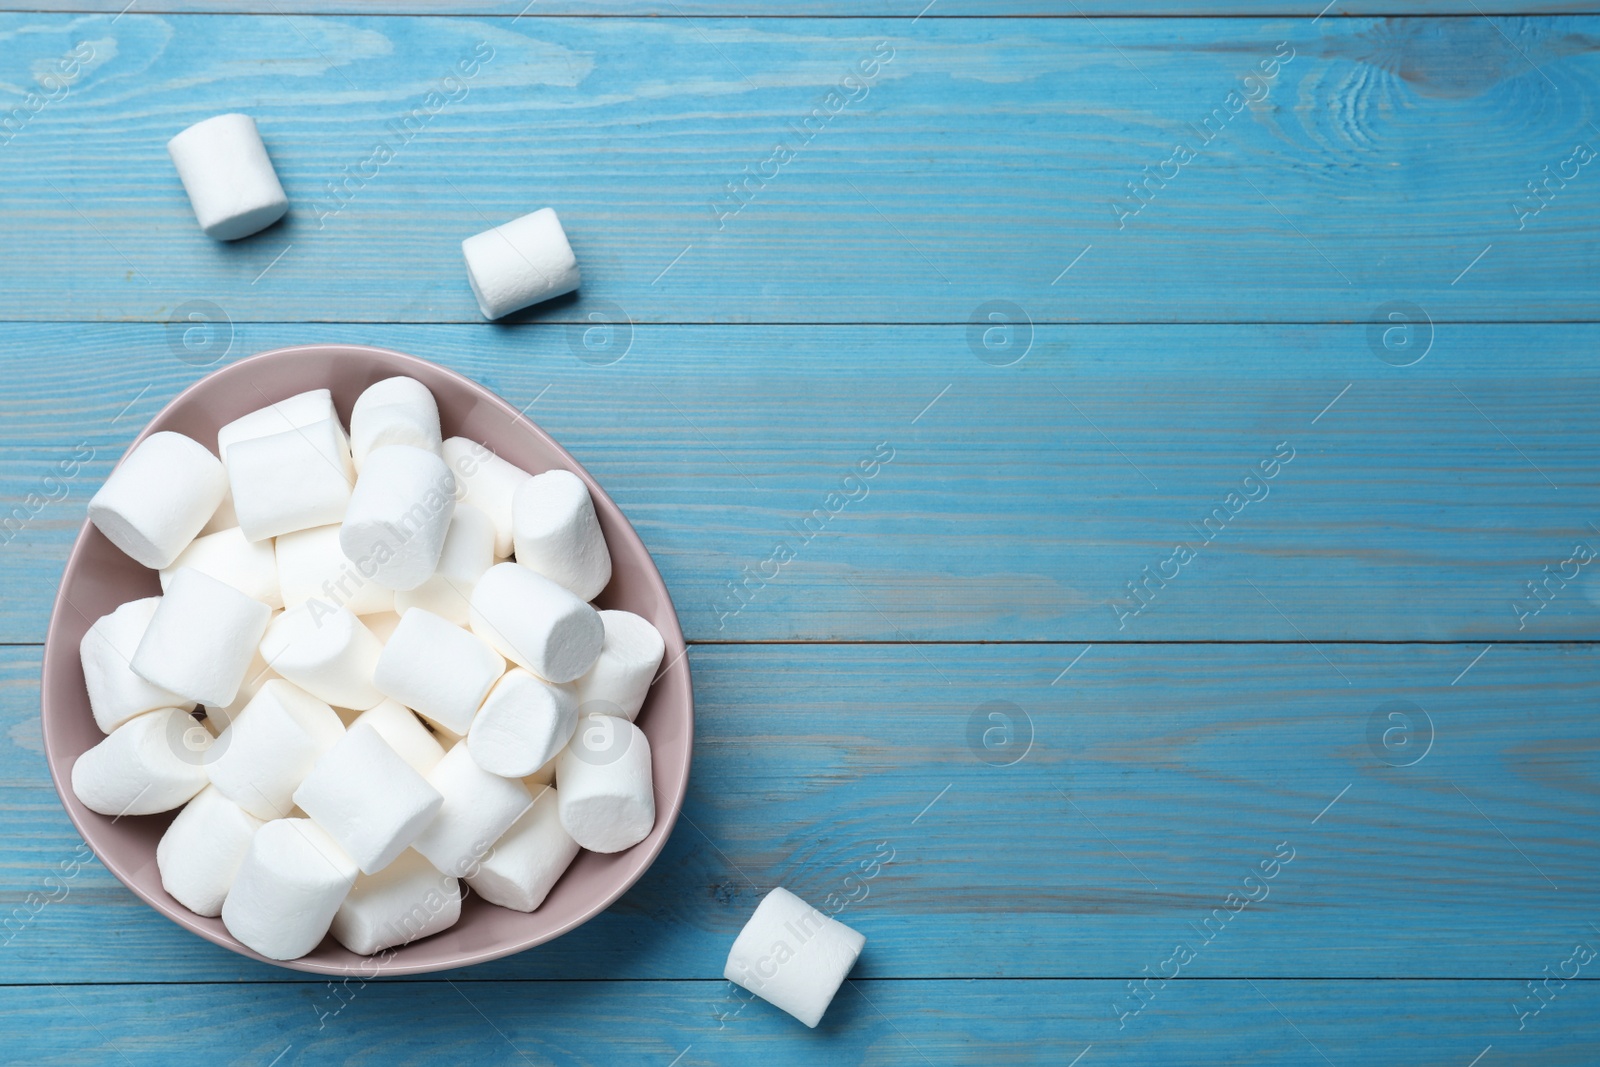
(201, 638)
(519, 263)
(311, 564)
(228, 176)
(437, 669)
(488, 483)
(523, 723)
(528, 859)
(405, 901)
(368, 798)
(478, 808)
(793, 956)
(536, 623)
(148, 764)
(116, 694)
(398, 516)
(404, 733)
(249, 566)
(288, 889)
(608, 802)
(290, 481)
(468, 552)
(202, 849)
(395, 411)
(269, 749)
(295, 412)
(620, 679)
(557, 534)
(327, 652)
(160, 496)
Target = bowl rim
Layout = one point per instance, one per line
(642, 856)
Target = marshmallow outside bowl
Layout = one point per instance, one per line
(98, 578)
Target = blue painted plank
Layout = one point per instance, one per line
(1420, 504)
(1029, 811)
(988, 160)
(906, 10)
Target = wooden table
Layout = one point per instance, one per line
(1205, 673)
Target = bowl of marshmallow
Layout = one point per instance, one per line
(353, 669)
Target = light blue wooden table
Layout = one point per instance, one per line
(1213, 650)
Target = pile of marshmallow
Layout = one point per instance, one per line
(373, 671)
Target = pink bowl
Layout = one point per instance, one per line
(98, 578)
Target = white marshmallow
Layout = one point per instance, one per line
(395, 411)
(295, 412)
(160, 496)
(793, 956)
(478, 808)
(536, 623)
(327, 652)
(228, 176)
(519, 263)
(288, 889)
(311, 564)
(116, 694)
(398, 516)
(202, 849)
(368, 798)
(148, 764)
(528, 859)
(468, 552)
(405, 901)
(556, 533)
(290, 481)
(608, 800)
(404, 732)
(437, 669)
(620, 679)
(267, 751)
(488, 483)
(201, 638)
(249, 566)
(523, 723)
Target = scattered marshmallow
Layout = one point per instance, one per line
(535, 623)
(488, 483)
(523, 723)
(201, 851)
(228, 176)
(437, 669)
(608, 800)
(201, 638)
(327, 652)
(478, 808)
(290, 481)
(398, 515)
(368, 798)
(556, 533)
(288, 889)
(148, 764)
(267, 751)
(520, 263)
(528, 859)
(405, 901)
(159, 497)
(793, 956)
(468, 552)
(620, 679)
(395, 411)
(291, 413)
(404, 732)
(228, 556)
(116, 694)
(311, 564)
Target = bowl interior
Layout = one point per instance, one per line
(98, 578)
